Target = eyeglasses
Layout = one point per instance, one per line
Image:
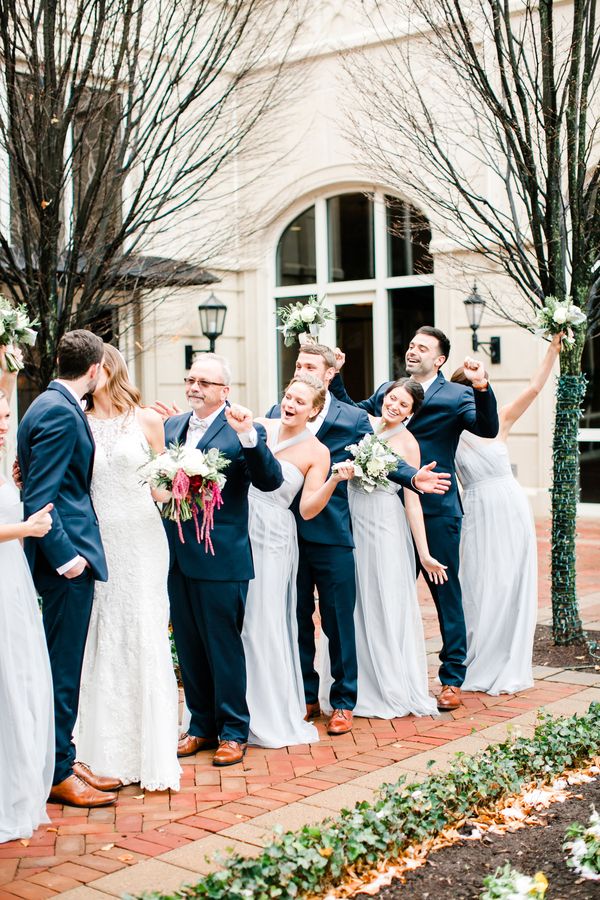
(202, 383)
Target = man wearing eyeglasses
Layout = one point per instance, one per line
(208, 593)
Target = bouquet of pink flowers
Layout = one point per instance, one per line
(195, 480)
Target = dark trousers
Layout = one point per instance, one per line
(331, 571)
(443, 537)
(207, 619)
(66, 607)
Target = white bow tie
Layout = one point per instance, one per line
(199, 424)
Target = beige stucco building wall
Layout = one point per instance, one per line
(316, 160)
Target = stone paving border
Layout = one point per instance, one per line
(157, 841)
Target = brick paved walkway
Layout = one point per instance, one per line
(160, 840)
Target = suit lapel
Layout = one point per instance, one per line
(212, 431)
(332, 414)
(55, 386)
(435, 387)
(182, 426)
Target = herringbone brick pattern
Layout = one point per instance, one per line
(81, 846)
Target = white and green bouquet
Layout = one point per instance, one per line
(559, 315)
(15, 328)
(508, 884)
(374, 459)
(583, 847)
(303, 318)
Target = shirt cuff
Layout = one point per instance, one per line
(69, 565)
(412, 481)
(249, 439)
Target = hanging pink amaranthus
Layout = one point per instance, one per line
(177, 470)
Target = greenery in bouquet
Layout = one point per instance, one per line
(560, 315)
(15, 328)
(583, 847)
(195, 480)
(302, 318)
(374, 459)
(508, 884)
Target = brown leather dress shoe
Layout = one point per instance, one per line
(190, 744)
(229, 753)
(96, 781)
(340, 722)
(449, 697)
(74, 791)
(313, 711)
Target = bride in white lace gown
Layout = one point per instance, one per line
(498, 552)
(275, 692)
(128, 710)
(390, 645)
(26, 704)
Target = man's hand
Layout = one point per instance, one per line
(16, 475)
(429, 482)
(340, 358)
(164, 411)
(474, 370)
(240, 418)
(77, 569)
(40, 522)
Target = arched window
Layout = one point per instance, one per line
(369, 253)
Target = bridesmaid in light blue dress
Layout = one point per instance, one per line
(26, 706)
(275, 692)
(498, 553)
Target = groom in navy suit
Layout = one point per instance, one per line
(447, 410)
(326, 560)
(56, 455)
(208, 593)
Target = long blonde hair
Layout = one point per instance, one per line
(123, 395)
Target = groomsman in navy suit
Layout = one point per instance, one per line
(56, 456)
(208, 593)
(447, 410)
(326, 559)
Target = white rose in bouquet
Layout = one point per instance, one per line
(560, 315)
(194, 462)
(308, 313)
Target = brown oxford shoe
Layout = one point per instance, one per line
(340, 722)
(74, 791)
(96, 781)
(229, 753)
(313, 711)
(190, 743)
(449, 698)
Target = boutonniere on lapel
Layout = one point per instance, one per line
(188, 480)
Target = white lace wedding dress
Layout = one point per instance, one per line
(26, 705)
(498, 569)
(275, 693)
(128, 722)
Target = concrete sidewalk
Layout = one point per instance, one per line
(158, 841)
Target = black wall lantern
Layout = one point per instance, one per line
(474, 305)
(212, 322)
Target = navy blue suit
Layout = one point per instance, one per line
(56, 456)
(326, 562)
(208, 593)
(447, 410)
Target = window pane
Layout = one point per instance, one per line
(354, 334)
(590, 450)
(409, 236)
(351, 248)
(296, 254)
(409, 309)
